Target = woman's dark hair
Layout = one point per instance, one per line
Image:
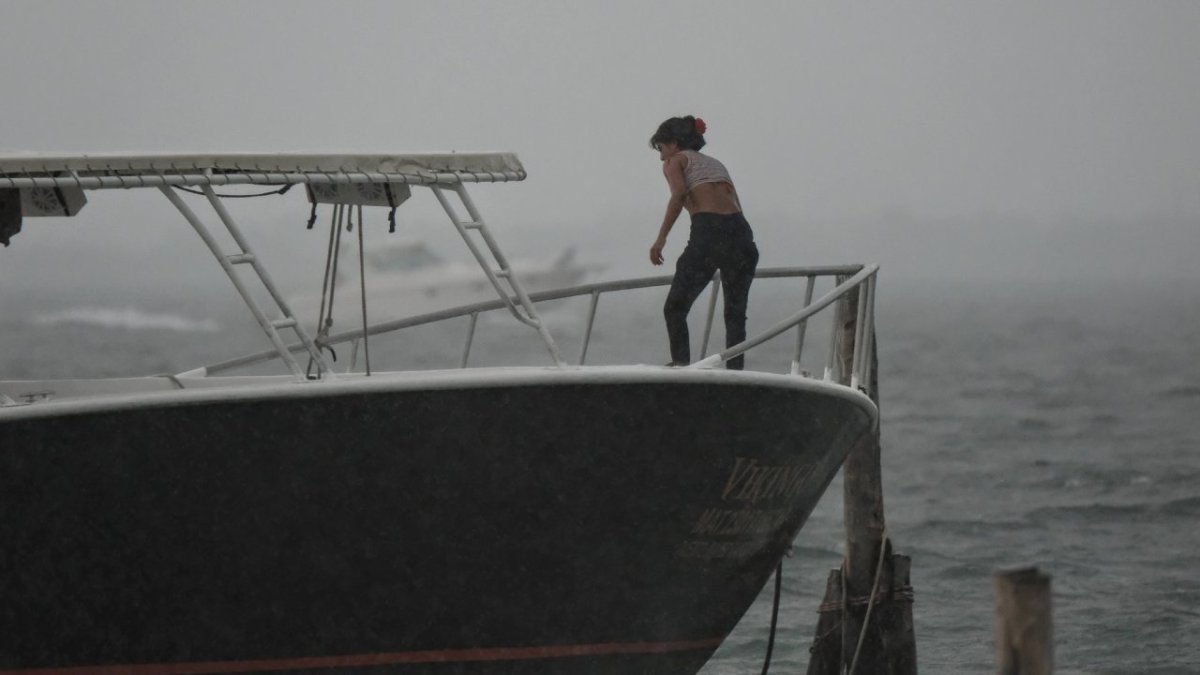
(685, 132)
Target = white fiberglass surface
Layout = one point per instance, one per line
(62, 397)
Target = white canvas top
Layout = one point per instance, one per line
(17, 168)
(454, 162)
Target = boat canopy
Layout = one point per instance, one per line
(52, 185)
(91, 172)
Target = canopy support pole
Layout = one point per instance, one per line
(227, 262)
(525, 313)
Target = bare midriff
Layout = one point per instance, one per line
(712, 198)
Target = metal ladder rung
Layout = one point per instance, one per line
(520, 306)
(243, 256)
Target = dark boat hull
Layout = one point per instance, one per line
(524, 527)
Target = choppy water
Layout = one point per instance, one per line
(1022, 424)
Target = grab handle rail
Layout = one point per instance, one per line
(864, 281)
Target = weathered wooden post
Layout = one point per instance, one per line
(872, 578)
(1024, 639)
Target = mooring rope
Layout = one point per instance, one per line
(774, 616)
(862, 634)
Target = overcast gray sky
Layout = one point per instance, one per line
(1006, 138)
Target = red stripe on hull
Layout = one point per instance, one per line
(382, 659)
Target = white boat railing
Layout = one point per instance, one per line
(853, 283)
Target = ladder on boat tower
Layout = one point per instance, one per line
(496, 267)
(245, 256)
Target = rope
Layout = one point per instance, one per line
(362, 276)
(774, 616)
(842, 622)
(896, 594)
(328, 284)
(312, 216)
(337, 257)
(387, 188)
(328, 264)
(280, 191)
(862, 634)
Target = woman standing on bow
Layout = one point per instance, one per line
(720, 237)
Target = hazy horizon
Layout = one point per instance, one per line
(996, 140)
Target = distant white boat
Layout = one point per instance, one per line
(408, 278)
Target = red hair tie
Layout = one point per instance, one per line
(701, 127)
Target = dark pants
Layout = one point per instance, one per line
(717, 242)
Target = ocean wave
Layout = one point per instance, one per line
(1097, 512)
(126, 318)
(968, 527)
(1186, 506)
(1182, 505)
(1035, 424)
(1183, 391)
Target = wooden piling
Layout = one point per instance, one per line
(1024, 636)
(888, 645)
(870, 570)
(825, 654)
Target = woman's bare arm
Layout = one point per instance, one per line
(673, 171)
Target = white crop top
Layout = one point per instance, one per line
(703, 169)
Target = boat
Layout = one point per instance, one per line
(555, 517)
